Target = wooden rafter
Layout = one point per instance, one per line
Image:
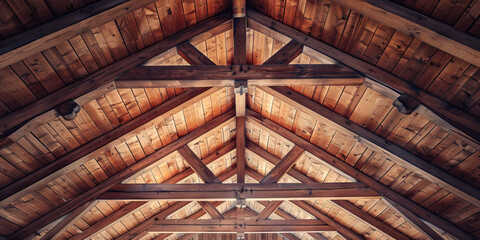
(347, 206)
(453, 115)
(360, 176)
(234, 225)
(415, 221)
(319, 215)
(427, 29)
(283, 166)
(286, 54)
(212, 192)
(268, 210)
(120, 176)
(198, 166)
(84, 153)
(192, 55)
(406, 159)
(61, 29)
(97, 83)
(68, 221)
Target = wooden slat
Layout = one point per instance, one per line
(68, 221)
(429, 30)
(211, 192)
(118, 214)
(453, 115)
(400, 155)
(360, 176)
(415, 221)
(241, 158)
(370, 219)
(98, 82)
(192, 55)
(286, 54)
(268, 210)
(120, 176)
(234, 225)
(61, 29)
(283, 166)
(83, 154)
(198, 166)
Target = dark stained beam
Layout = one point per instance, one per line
(192, 55)
(211, 210)
(347, 206)
(268, 210)
(236, 72)
(61, 29)
(415, 221)
(286, 54)
(97, 83)
(82, 154)
(68, 221)
(394, 152)
(360, 176)
(120, 176)
(283, 166)
(453, 115)
(198, 166)
(427, 29)
(240, 40)
(234, 225)
(212, 192)
(241, 159)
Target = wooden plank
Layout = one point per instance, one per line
(268, 210)
(192, 55)
(347, 233)
(61, 29)
(69, 220)
(110, 219)
(97, 83)
(120, 176)
(240, 143)
(400, 155)
(370, 219)
(453, 115)
(429, 30)
(414, 220)
(198, 166)
(286, 54)
(82, 154)
(212, 192)
(234, 225)
(360, 176)
(283, 166)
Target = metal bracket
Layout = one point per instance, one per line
(240, 87)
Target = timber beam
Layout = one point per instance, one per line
(235, 225)
(221, 75)
(264, 191)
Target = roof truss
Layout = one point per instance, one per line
(255, 76)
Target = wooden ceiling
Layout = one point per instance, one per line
(377, 115)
